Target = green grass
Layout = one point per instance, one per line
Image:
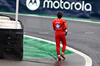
(34, 48)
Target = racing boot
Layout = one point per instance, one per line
(63, 56)
(59, 58)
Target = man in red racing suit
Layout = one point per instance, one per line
(60, 27)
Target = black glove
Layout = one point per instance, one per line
(65, 32)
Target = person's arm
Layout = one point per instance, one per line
(53, 25)
(65, 27)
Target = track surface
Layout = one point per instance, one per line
(81, 35)
(70, 61)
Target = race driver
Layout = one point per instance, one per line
(60, 27)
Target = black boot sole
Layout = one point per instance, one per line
(63, 57)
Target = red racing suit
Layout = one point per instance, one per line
(59, 25)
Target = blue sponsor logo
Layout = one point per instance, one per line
(57, 25)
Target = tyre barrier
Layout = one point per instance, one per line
(11, 39)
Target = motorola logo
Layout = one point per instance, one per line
(32, 4)
(56, 4)
(83, 6)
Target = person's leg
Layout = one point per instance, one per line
(64, 45)
(63, 40)
(58, 46)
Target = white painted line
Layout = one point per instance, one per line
(86, 57)
(79, 20)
